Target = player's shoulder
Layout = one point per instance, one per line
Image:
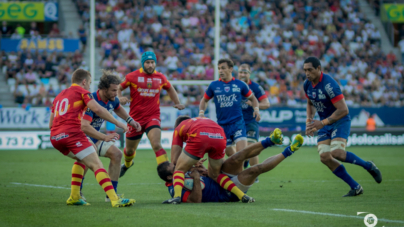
(306, 84)
(327, 78)
(237, 81)
(133, 74)
(77, 89)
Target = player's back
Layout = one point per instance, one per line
(192, 125)
(68, 109)
(145, 93)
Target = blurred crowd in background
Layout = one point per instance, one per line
(273, 37)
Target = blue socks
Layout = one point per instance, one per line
(81, 186)
(287, 152)
(341, 172)
(267, 142)
(353, 159)
(115, 185)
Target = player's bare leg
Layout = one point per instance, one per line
(230, 150)
(337, 168)
(184, 163)
(114, 169)
(154, 136)
(129, 154)
(94, 163)
(254, 160)
(224, 181)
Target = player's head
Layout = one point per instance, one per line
(312, 68)
(149, 62)
(165, 171)
(244, 73)
(82, 77)
(109, 84)
(225, 66)
(181, 119)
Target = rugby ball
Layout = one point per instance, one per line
(189, 183)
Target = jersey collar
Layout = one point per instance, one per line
(321, 78)
(220, 79)
(75, 85)
(99, 97)
(142, 71)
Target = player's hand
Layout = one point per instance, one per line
(248, 102)
(200, 162)
(314, 126)
(179, 106)
(123, 100)
(310, 132)
(256, 114)
(136, 125)
(122, 126)
(194, 174)
(111, 137)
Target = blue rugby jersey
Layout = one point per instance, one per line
(212, 192)
(248, 110)
(95, 120)
(323, 95)
(228, 97)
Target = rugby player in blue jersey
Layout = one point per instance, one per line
(228, 93)
(324, 96)
(251, 125)
(200, 188)
(91, 123)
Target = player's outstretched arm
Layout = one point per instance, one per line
(93, 133)
(104, 114)
(174, 97)
(202, 106)
(123, 100)
(196, 194)
(264, 104)
(121, 112)
(255, 105)
(51, 120)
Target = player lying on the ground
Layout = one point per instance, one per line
(324, 96)
(70, 140)
(91, 123)
(202, 135)
(200, 188)
(145, 85)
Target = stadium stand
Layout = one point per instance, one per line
(274, 37)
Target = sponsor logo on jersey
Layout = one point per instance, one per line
(314, 94)
(234, 85)
(226, 101)
(319, 106)
(218, 90)
(60, 136)
(90, 96)
(149, 84)
(88, 110)
(140, 79)
(158, 79)
(212, 135)
(251, 133)
(226, 89)
(321, 95)
(237, 133)
(329, 90)
(78, 144)
(334, 133)
(236, 89)
(148, 92)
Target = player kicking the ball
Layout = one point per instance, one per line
(145, 86)
(202, 135)
(204, 189)
(324, 96)
(106, 96)
(67, 137)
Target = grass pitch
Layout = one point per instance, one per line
(301, 191)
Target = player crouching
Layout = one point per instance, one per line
(106, 96)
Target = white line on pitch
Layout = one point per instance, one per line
(335, 215)
(39, 185)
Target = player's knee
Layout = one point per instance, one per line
(116, 154)
(130, 150)
(256, 170)
(338, 149)
(326, 158)
(156, 146)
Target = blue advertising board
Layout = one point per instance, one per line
(48, 44)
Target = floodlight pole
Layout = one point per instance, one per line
(217, 38)
(92, 42)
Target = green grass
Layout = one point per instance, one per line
(301, 182)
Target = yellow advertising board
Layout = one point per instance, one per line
(395, 12)
(28, 11)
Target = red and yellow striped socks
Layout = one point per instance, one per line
(105, 182)
(77, 177)
(128, 158)
(225, 182)
(161, 156)
(178, 183)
